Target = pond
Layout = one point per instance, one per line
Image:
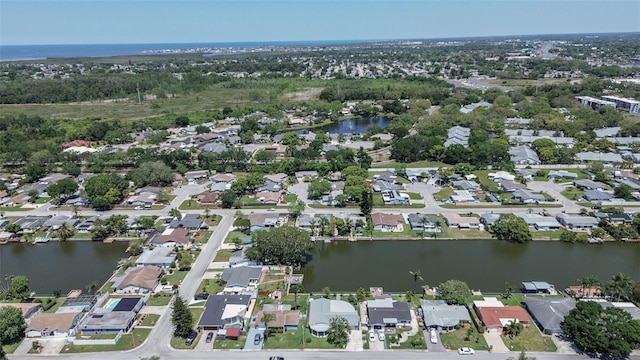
(355, 126)
(483, 264)
(61, 265)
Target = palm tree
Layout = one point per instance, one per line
(588, 282)
(296, 288)
(620, 286)
(417, 275)
(207, 213)
(508, 290)
(91, 288)
(65, 232)
(513, 328)
(267, 318)
(75, 211)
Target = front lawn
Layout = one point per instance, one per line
(159, 299)
(209, 286)
(226, 344)
(178, 342)
(293, 339)
(572, 193)
(202, 236)
(176, 277)
(11, 347)
(443, 194)
(191, 204)
(459, 338)
(223, 255)
(415, 342)
(149, 319)
(126, 342)
(414, 196)
(530, 339)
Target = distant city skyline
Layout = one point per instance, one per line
(45, 22)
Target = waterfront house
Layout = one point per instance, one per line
(620, 218)
(224, 312)
(113, 319)
(55, 222)
(577, 222)
(540, 222)
(189, 221)
(57, 325)
(462, 222)
(537, 287)
(159, 256)
(421, 222)
(284, 318)
(386, 312)
(137, 280)
(495, 316)
(387, 222)
(322, 310)
(241, 279)
(28, 310)
(437, 314)
(549, 313)
(261, 221)
(489, 219)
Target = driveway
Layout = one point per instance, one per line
(495, 339)
(554, 190)
(249, 344)
(437, 347)
(202, 344)
(301, 189)
(426, 191)
(355, 342)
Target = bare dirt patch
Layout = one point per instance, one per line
(304, 95)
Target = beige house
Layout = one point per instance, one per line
(387, 222)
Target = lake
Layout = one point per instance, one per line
(61, 265)
(482, 264)
(355, 126)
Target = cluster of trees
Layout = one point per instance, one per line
(454, 292)
(367, 89)
(512, 228)
(105, 190)
(12, 325)
(17, 290)
(285, 245)
(112, 226)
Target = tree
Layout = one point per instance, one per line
(181, 318)
(508, 290)
(286, 245)
(151, 173)
(363, 159)
(454, 292)
(237, 243)
(296, 289)
(338, 333)
(366, 203)
(623, 191)
(135, 247)
(105, 190)
(361, 294)
(513, 328)
(318, 187)
(13, 228)
(609, 331)
(228, 198)
(12, 324)
(297, 209)
(185, 262)
(62, 189)
(20, 287)
(65, 231)
(511, 228)
(33, 195)
(416, 275)
(182, 121)
(620, 287)
(523, 356)
(326, 291)
(3, 355)
(588, 282)
(267, 318)
(175, 213)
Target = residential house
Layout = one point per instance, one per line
(159, 256)
(143, 199)
(172, 237)
(278, 150)
(86, 225)
(241, 279)
(383, 186)
(79, 202)
(224, 312)
(458, 135)
(218, 187)
(386, 312)
(395, 197)
(209, 198)
(29, 310)
(523, 155)
(31, 223)
(388, 176)
(607, 132)
(224, 178)
(194, 176)
(596, 195)
(577, 222)
(53, 325)
(269, 186)
(489, 219)
(284, 317)
(562, 174)
(322, 310)
(606, 158)
(465, 109)
(268, 198)
(55, 222)
(213, 147)
(620, 218)
(112, 320)
(511, 186)
(540, 222)
(302, 175)
(307, 222)
(495, 316)
(462, 222)
(239, 257)
(466, 185)
(463, 197)
(421, 222)
(527, 174)
(387, 222)
(189, 221)
(537, 287)
(261, 221)
(279, 178)
(628, 307)
(439, 315)
(589, 184)
(501, 175)
(527, 197)
(549, 313)
(138, 280)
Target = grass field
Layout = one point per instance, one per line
(126, 342)
(160, 300)
(223, 255)
(456, 339)
(149, 320)
(530, 339)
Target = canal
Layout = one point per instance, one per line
(61, 265)
(355, 126)
(482, 264)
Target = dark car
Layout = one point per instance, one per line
(201, 296)
(190, 338)
(276, 358)
(257, 339)
(209, 337)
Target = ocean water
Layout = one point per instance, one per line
(35, 52)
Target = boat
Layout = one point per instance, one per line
(40, 240)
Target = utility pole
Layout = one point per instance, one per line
(138, 88)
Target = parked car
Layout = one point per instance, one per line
(381, 335)
(209, 337)
(257, 339)
(466, 351)
(276, 358)
(372, 335)
(190, 338)
(433, 336)
(201, 296)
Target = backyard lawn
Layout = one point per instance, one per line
(530, 339)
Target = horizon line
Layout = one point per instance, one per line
(334, 40)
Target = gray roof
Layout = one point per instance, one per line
(322, 310)
(213, 147)
(218, 187)
(388, 311)
(241, 276)
(563, 173)
(416, 220)
(597, 156)
(606, 132)
(576, 220)
(526, 195)
(548, 312)
(466, 184)
(589, 184)
(107, 320)
(306, 220)
(523, 154)
(189, 221)
(214, 308)
(439, 313)
(157, 256)
(591, 195)
(489, 218)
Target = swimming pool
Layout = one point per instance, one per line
(112, 303)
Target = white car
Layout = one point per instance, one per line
(381, 335)
(466, 351)
(433, 336)
(372, 335)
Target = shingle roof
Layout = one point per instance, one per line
(439, 313)
(241, 276)
(322, 310)
(214, 308)
(549, 313)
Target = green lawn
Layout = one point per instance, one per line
(209, 286)
(195, 205)
(231, 235)
(530, 339)
(572, 193)
(406, 232)
(14, 208)
(176, 277)
(546, 234)
(291, 198)
(292, 339)
(55, 307)
(443, 194)
(126, 342)
(178, 342)
(11, 347)
(149, 319)
(202, 236)
(455, 233)
(223, 255)
(409, 344)
(414, 196)
(227, 344)
(160, 300)
(483, 179)
(457, 339)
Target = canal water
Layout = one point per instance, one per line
(61, 265)
(355, 126)
(482, 264)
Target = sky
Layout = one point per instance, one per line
(30, 22)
